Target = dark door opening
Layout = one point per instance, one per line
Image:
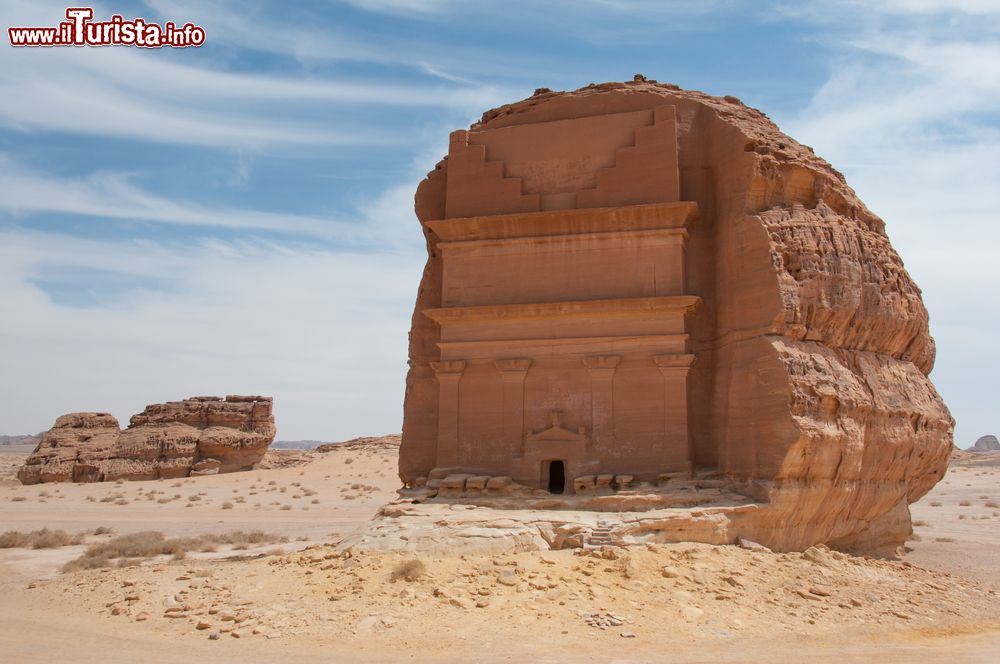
(557, 477)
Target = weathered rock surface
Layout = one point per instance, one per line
(197, 436)
(986, 444)
(811, 350)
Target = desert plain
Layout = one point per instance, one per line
(254, 573)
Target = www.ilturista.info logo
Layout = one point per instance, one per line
(80, 30)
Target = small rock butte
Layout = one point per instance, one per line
(196, 436)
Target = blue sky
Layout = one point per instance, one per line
(237, 218)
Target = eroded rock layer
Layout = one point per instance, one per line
(197, 436)
(808, 341)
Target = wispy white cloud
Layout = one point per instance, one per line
(239, 317)
(566, 8)
(112, 93)
(406, 6)
(113, 195)
(383, 223)
(133, 94)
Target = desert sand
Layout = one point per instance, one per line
(308, 600)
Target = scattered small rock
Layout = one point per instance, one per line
(750, 545)
(691, 613)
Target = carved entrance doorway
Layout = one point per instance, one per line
(556, 476)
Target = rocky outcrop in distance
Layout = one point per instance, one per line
(20, 440)
(196, 436)
(986, 444)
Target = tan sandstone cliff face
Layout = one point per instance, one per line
(197, 436)
(812, 341)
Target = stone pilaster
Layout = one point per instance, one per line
(449, 373)
(674, 369)
(513, 373)
(602, 373)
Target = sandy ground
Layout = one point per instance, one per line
(303, 599)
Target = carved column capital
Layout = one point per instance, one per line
(516, 367)
(601, 363)
(674, 363)
(449, 369)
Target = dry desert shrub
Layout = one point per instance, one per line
(85, 562)
(409, 570)
(921, 523)
(992, 504)
(103, 530)
(965, 503)
(935, 504)
(18, 499)
(150, 543)
(39, 539)
(144, 544)
(227, 505)
(626, 567)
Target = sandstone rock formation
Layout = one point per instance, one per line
(986, 444)
(197, 436)
(633, 280)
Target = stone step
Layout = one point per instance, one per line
(600, 536)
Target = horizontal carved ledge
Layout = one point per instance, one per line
(532, 244)
(645, 216)
(619, 307)
(488, 349)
